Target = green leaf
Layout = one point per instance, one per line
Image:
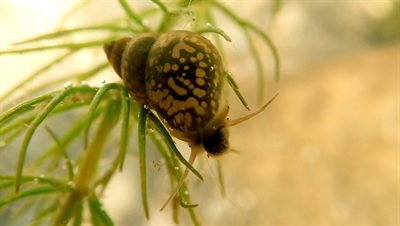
(142, 157)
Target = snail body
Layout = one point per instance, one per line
(179, 74)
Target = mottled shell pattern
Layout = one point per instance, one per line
(179, 74)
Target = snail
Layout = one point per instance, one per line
(179, 75)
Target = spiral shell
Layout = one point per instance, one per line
(179, 74)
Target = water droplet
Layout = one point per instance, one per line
(165, 121)
(208, 24)
(84, 83)
(67, 85)
(2, 143)
(41, 176)
(104, 81)
(212, 68)
(145, 22)
(176, 168)
(186, 192)
(71, 184)
(171, 129)
(145, 106)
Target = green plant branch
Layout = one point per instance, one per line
(168, 140)
(95, 102)
(29, 193)
(36, 122)
(99, 216)
(25, 106)
(133, 16)
(73, 46)
(88, 166)
(247, 25)
(63, 152)
(61, 33)
(142, 158)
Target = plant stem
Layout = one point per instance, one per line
(87, 169)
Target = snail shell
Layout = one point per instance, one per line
(179, 74)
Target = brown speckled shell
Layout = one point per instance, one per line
(184, 84)
(179, 74)
(133, 65)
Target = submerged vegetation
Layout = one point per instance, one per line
(83, 125)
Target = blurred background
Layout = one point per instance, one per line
(326, 151)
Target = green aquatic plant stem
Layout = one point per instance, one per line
(231, 81)
(221, 178)
(88, 166)
(36, 122)
(24, 179)
(142, 158)
(170, 143)
(247, 25)
(74, 46)
(97, 99)
(133, 16)
(28, 117)
(119, 160)
(29, 193)
(124, 127)
(99, 216)
(63, 152)
(25, 106)
(62, 33)
(217, 31)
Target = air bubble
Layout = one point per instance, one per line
(176, 168)
(71, 184)
(165, 121)
(145, 106)
(35, 180)
(186, 192)
(151, 130)
(41, 176)
(171, 129)
(104, 81)
(208, 24)
(84, 83)
(2, 143)
(67, 85)
(212, 68)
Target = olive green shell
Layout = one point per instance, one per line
(179, 74)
